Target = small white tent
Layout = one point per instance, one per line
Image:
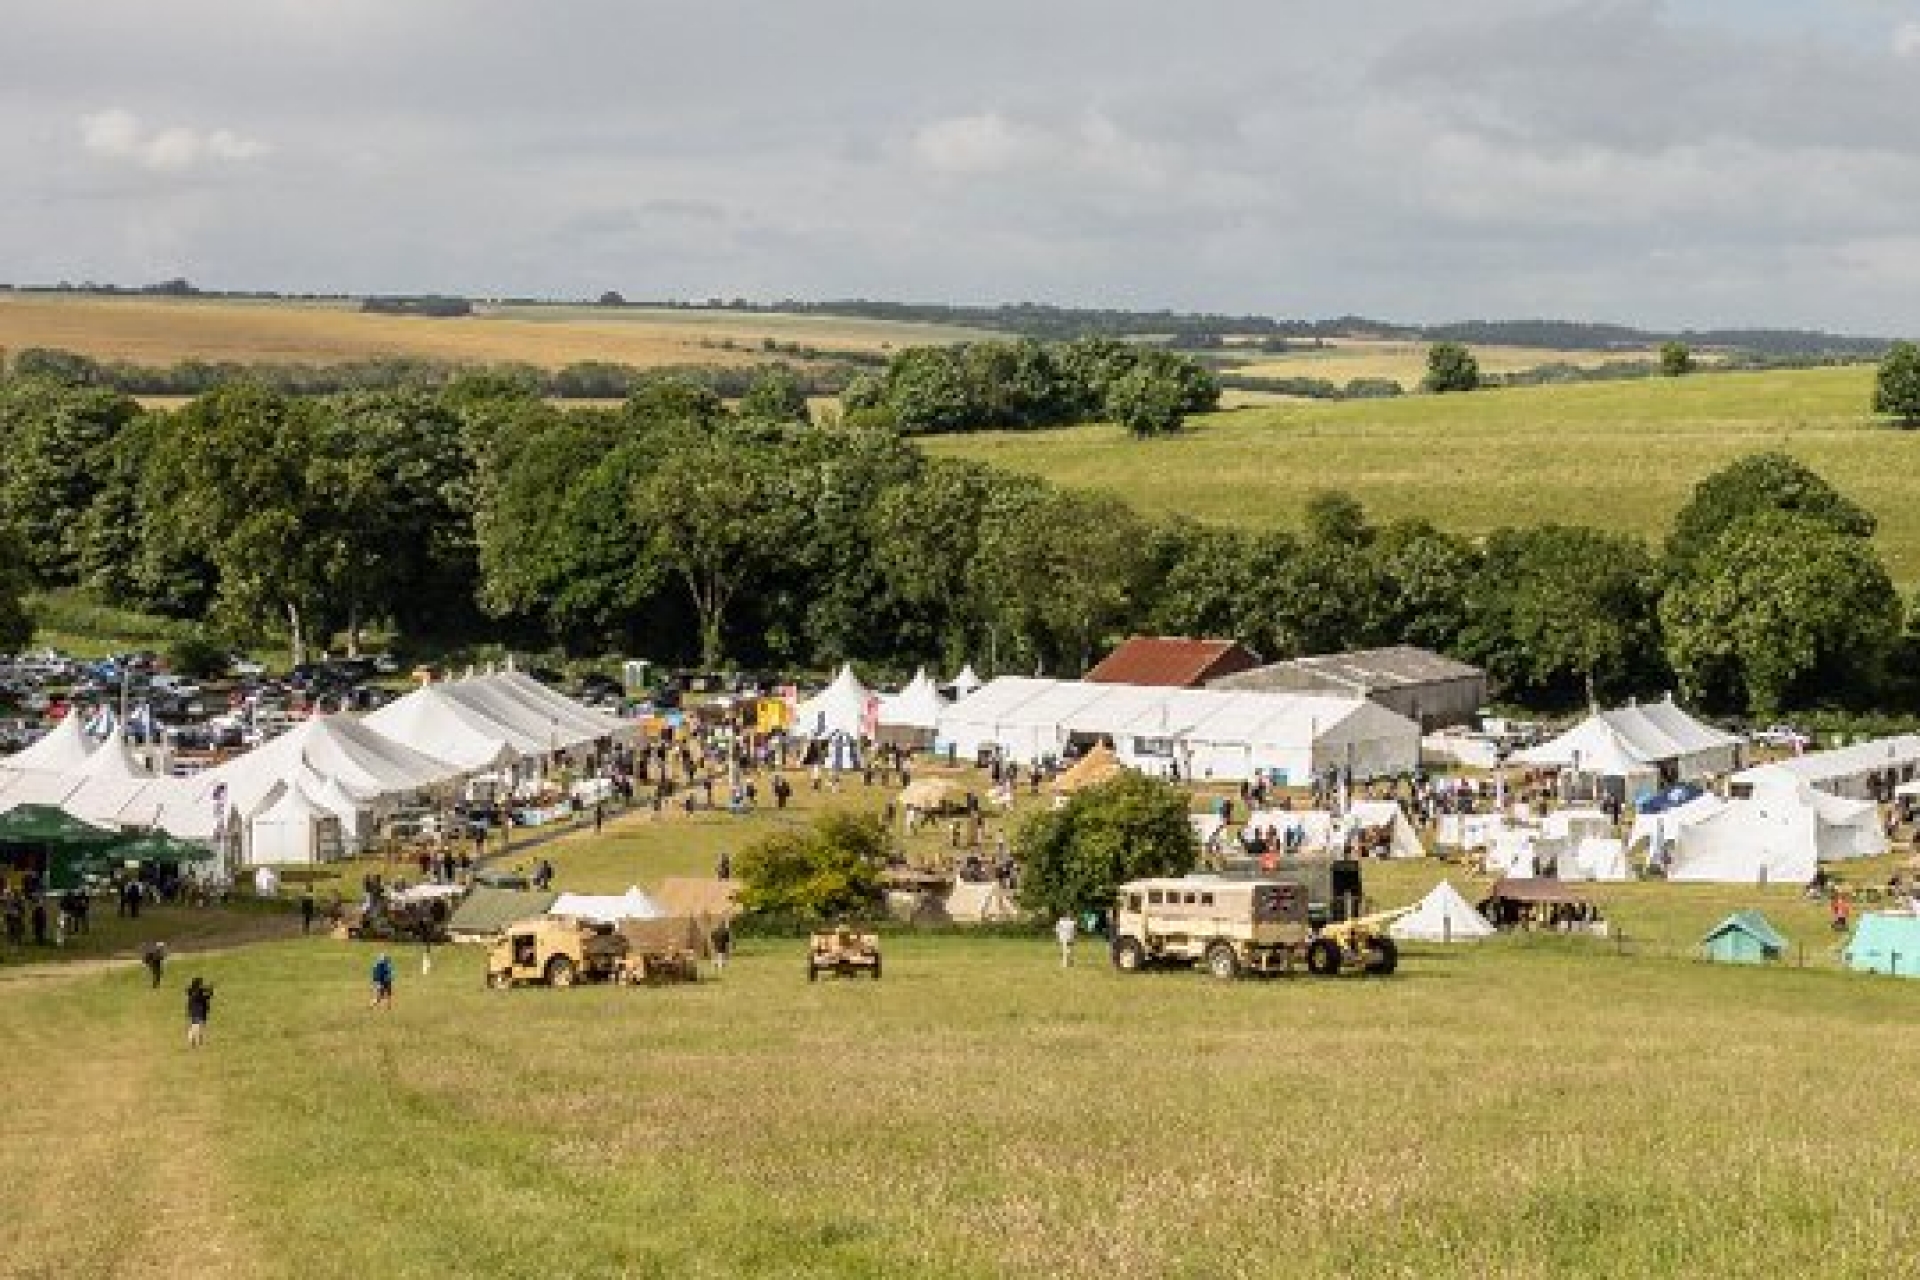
(979, 902)
(293, 830)
(843, 707)
(1368, 816)
(912, 713)
(611, 908)
(62, 749)
(1442, 916)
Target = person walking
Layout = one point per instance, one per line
(199, 1007)
(1065, 930)
(722, 945)
(382, 982)
(306, 910)
(155, 958)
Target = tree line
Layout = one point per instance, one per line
(675, 526)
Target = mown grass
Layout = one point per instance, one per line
(1529, 1106)
(1620, 455)
(75, 624)
(1523, 1108)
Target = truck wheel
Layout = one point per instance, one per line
(1383, 956)
(1323, 958)
(813, 970)
(1129, 956)
(559, 972)
(500, 979)
(876, 968)
(1222, 963)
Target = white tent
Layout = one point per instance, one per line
(1442, 916)
(1636, 745)
(293, 830)
(1205, 733)
(366, 762)
(590, 724)
(1662, 830)
(843, 707)
(433, 721)
(113, 761)
(62, 749)
(979, 902)
(1853, 771)
(1778, 835)
(611, 908)
(916, 707)
(1403, 841)
(966, 684)
(1601, 858)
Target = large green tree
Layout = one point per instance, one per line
(1783, 610)
(53, 442)
(1073, 858)
(1562, 612)
(1751, 486)
(1896, 385)
(1451, 367)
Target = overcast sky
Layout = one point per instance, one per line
(1693, 162)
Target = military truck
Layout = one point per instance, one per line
(560, 951)
(1236, 927)
(842, 953)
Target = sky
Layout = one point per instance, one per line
(1667, 163)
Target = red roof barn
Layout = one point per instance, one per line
(1172, 662)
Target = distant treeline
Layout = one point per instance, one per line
(585, 380)
(435, 305)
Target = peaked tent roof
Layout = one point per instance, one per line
(63, 748)
(113, 760)
(610, 907)
(841, 707)
(432, 720)
(918, 706)
(336, 746)
(1442, 916)
(964, 684)
(556, 703)
(1629, 741)
(1754, 925)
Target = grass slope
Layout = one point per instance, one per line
(1620, 455)
(1533, 1106)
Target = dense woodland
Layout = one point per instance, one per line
(680, 528)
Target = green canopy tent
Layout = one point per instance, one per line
(159, 848)
(51, 843)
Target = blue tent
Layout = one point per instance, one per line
(1886, 943)
(1745, 937)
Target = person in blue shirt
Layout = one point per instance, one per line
(383, 982)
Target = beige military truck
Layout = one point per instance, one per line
(1237, 927)
(560, 951)
(842, 953)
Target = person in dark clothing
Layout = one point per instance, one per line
(306, 910)
(155, 958)
(722, 945)
(199, 1007)
(39, 919)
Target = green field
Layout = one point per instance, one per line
(1527, 1107)
(1620, 455)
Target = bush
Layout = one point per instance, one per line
(829, 871)
(1074, 857)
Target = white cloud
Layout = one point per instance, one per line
(121, 135)
(1906, 40)
(978, 144)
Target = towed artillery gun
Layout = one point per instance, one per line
(559, 951)
(1236, 927)
(841, 952)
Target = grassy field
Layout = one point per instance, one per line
(1621, 455)
(162, 331)
(1406, 362)
(1532, 1106)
